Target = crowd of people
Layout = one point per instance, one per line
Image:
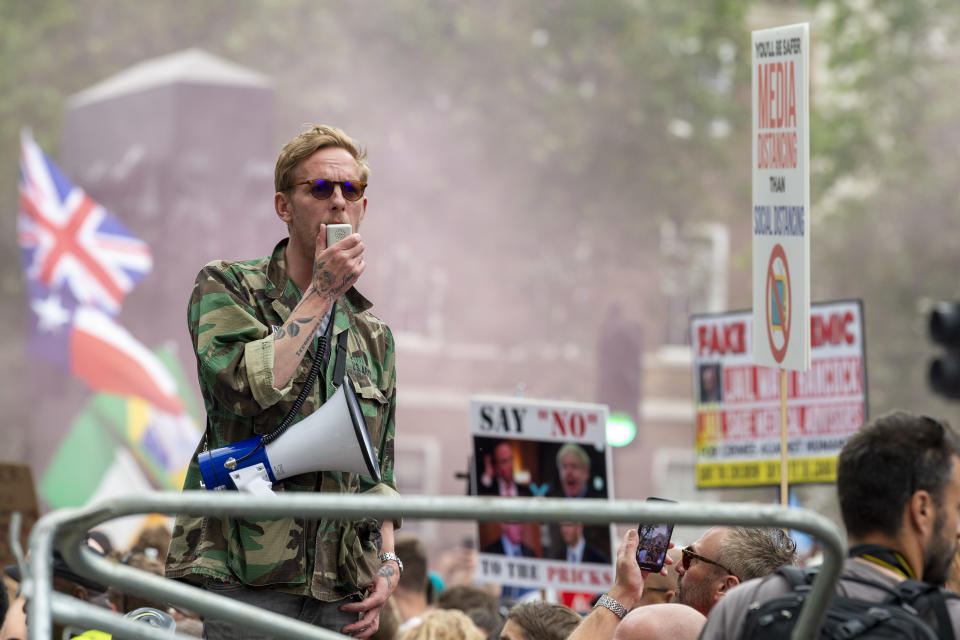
(898, 485)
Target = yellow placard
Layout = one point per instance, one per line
(749, 473)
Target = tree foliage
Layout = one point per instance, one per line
(885, 199)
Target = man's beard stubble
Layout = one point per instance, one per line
(692, 596)
(938, 556)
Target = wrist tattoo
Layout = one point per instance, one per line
(294, 329)
(387, 571)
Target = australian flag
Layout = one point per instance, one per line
(80, 262)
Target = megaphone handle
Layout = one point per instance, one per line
(253, 479)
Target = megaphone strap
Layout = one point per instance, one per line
(319, 360)
(341, 363)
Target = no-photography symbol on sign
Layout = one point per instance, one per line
(778, 303)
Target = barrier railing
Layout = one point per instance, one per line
(66, 529)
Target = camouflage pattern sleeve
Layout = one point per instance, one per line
(234, 346)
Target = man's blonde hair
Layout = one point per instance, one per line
(309, 142)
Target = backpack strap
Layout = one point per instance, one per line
(799, 579)
(913, 592)
(944, 624)
(909, 591)
(860, 625)
(943, 616)
(891, 593)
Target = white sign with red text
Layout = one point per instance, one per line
(542, 574)
(738, 402)
(542, 448)
(781, 197)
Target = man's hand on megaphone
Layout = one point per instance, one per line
(371, 606)
(337, 267)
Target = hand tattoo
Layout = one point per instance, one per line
(324, 282)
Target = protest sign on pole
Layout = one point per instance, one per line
(737, 402)
(781, 207)
(542, 448)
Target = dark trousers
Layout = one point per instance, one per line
(321, 614)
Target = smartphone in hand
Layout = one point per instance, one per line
(654, 541)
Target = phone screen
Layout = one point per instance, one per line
(654, 541)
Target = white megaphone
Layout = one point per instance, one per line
(332, 438)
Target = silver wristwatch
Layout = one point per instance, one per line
(389, 555)
(609, 603)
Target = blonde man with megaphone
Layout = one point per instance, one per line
(298, 380)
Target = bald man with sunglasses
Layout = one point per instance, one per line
(258, 326)
(724, 557)
(709, 568)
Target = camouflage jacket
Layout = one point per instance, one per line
(231, 314)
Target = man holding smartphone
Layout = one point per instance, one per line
(258, 326)
(709, 569)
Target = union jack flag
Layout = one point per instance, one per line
(68, 241)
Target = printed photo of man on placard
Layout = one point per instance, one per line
(532, 449)
(498, 474)
(711, 383)
(578, 472)
(507, 468)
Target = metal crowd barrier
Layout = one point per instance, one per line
(66, 529)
